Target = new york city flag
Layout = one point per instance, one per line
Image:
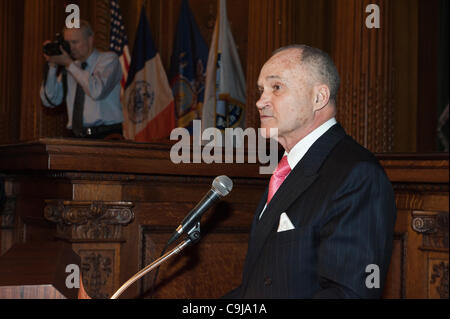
(149, 107)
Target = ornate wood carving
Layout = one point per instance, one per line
(95, 229)
(97, 267)
(434, 228)
(85, 220)
(438, 279)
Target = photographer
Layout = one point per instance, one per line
(92, 90)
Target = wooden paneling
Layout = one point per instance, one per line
(421, 242)
(427, 74)
(160, 197)
(11, 24)
(210, 269)
(42, 19)
(405, 62)
(363, 57)
(314, 24)
(270, 26)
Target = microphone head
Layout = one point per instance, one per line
(223, 185)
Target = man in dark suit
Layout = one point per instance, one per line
(324, 228)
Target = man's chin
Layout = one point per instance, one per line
(269, 132)
(75, 56)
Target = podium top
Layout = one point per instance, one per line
(34, 270)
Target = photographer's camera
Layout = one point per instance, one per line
(52, 48)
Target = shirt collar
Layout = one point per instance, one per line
(300, 149)
(91, 59)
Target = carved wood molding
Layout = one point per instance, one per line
(89, 220)
(421, 188)
(97, 267)
(438, 279)
(434, 228)
(408, 201)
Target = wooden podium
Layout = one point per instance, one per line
(37, 271)
(117, 203)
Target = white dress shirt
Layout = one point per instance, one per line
(100, 82)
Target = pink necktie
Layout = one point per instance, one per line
(278, 176)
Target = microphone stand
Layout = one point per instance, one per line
(192, 238)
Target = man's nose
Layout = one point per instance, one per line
(262, 101)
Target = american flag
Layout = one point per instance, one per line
(118, 41)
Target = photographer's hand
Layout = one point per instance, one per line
(63, 59)
(47, 58)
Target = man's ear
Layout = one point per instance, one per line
(321, 96)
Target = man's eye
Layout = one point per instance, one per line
(277, 87)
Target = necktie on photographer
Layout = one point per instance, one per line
(78, 108)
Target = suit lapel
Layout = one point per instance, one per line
(259, 209)
(297, 182)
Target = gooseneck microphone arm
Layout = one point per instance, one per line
(193, 237)
(190, 225)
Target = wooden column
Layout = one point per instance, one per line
(432, 232)
(11, 17)
(364, 60)
(94, 228)
(42, 19)
(270, 25)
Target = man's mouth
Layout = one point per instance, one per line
(265, 117)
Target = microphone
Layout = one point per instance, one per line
(221, 186)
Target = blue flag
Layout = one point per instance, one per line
(144, 48)
(188, 68)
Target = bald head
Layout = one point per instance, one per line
(319, 64)
(85, 28)
(81, 41)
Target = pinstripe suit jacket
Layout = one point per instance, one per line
(342, 206)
